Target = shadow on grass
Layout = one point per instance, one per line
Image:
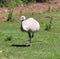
(15, 45)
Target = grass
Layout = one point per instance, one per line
(45, 44)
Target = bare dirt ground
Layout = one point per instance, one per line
(36, 8)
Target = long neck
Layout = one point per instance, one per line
(21, 27)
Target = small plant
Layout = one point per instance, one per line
(8, 38)
(48, 27)
(49, 9)
(58, 9)
(10, 16)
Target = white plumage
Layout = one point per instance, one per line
(30, 25)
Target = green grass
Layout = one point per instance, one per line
(45, 44)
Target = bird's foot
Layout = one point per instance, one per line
(28, 44)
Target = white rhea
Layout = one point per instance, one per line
(30, 26)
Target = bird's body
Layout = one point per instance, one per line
(30, 26)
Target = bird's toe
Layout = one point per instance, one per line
(28, 44)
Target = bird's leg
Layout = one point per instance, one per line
(29, 36)
(32, 35)
(29, 41)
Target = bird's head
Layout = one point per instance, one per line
(23, 18)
